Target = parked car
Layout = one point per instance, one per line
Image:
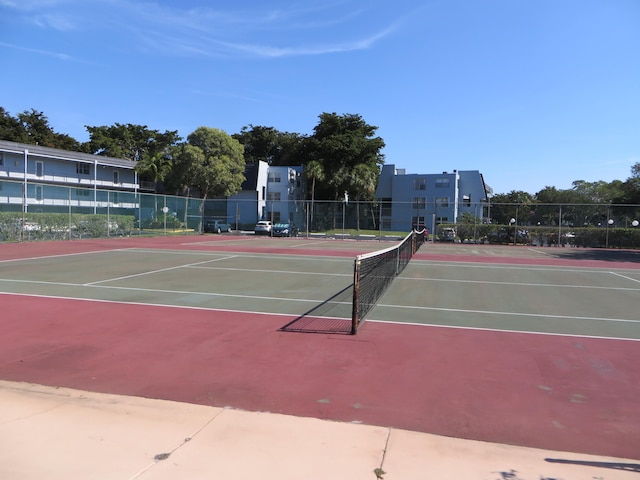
(216, 226)
(504, 235)
(284, 230)
(446, 235)
(263, 227)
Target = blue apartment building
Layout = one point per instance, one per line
(30, 177)
(428, 200)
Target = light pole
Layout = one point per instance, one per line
(344, 204)
(515, 233)
(609, 224)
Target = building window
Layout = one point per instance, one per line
(442, 201)
(1, 159)
(466, 200)
(417, 222)
(81, 192)
(420, 184)
(82, 168)
(116, 177)
(274, 196)
(39, 194)
(385, 207)
(275, 217)
(39, 169)
(115, 198)
(419, 203)
(274, 177)
(442, 183)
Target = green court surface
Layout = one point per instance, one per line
(567, 299)
(278, 284)
(527, 298)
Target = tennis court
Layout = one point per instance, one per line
(564, 299)
(529, 346)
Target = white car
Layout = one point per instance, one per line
(263, 227)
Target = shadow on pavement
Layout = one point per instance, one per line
(598, 254)
(331, 316)
(627, 467)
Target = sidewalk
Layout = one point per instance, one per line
(63, 434)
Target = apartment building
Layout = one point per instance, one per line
(410, 200)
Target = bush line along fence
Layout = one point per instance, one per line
(48, 212)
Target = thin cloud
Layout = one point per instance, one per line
(153, 28)
(60, 56)
(322, 49)
(63, 23)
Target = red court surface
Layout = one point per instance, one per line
(553, 392)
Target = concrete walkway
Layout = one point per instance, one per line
(63, 434)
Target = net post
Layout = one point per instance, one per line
(356, 296)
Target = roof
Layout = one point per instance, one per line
(79, 157)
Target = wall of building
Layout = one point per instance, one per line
(35, 172)
(285, 192)
(412, 200)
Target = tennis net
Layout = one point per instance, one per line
(373, 273)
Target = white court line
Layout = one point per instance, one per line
(508, 314)
(208, 243)
(157, 290)
(515, 284)
(263, 256)
(500, 266)
(625, 277)
(299, 300)
(501, 330)
(185, 307)
(294, 316)
(542, 252)
(61, 255)
(39, 282)
(252, 270)
(155, 271)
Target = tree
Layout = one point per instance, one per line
(514, 204)
(340, 143)
(212, 162)
(156, 163)
(33, 127)
(314, 172)
(364, 179)
(11, 129)
(269, 145)
(260, 143)
(133, 142)
(631, 188)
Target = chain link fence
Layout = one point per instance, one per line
(47, 212)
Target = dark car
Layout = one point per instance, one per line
(284, 230)
(216, 226)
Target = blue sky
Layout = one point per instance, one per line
(532, 93)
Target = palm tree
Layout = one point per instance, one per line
(363, 181)
(156, 167)
(314, 171)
